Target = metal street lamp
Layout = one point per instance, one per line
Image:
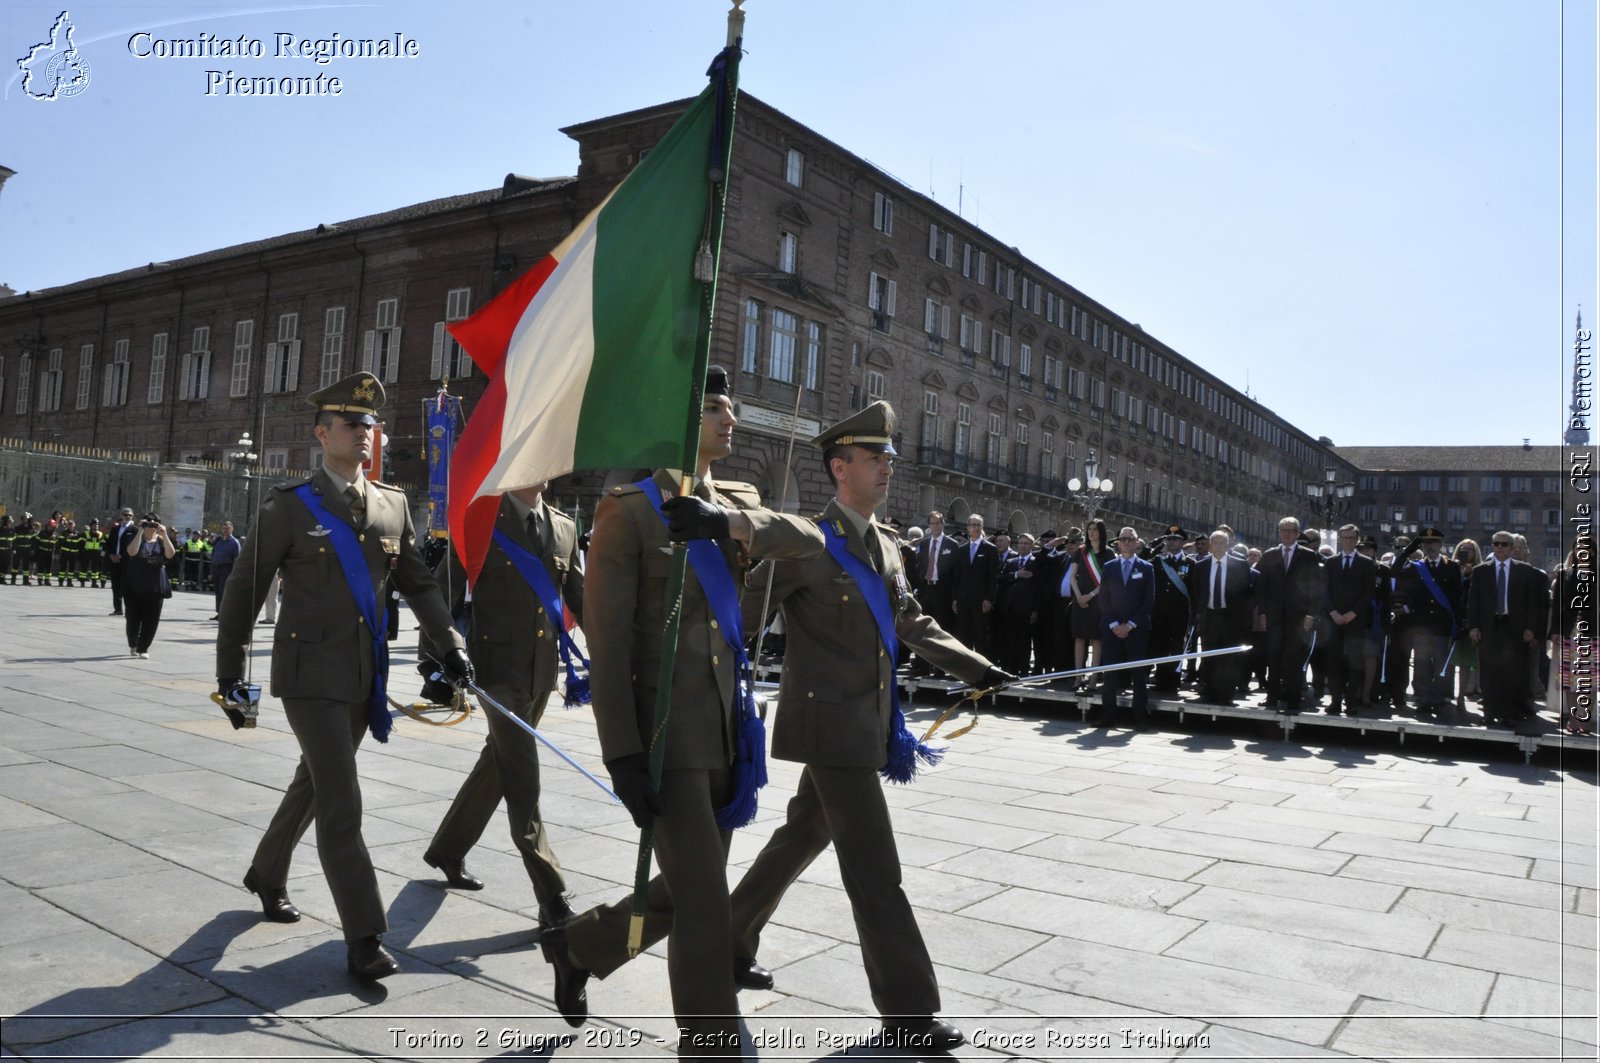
(1330, 499)
(245, 458)
(1399, 526)
(1089, 492)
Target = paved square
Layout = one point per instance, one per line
(1209, 892)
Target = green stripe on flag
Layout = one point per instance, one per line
(647, 304)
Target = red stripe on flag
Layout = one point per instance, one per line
(485, 336)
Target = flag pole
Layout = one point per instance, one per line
(725, 68)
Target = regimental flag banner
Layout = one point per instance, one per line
(591, 354)
(440, 416)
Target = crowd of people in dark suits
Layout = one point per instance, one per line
(1337, 625)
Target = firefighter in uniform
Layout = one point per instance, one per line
(22, 550)
(8, 539)
(44, 551)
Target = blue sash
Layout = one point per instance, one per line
(1177, 581)
(750, 761)
(356, 573)
(1426, 575)
(904, 752)
(533, 571)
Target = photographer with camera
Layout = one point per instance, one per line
(144, 583)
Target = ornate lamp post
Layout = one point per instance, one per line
(1088, 493)
(1331, 498)
(1399, 526)
(245, 459)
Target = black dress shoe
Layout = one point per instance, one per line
(275, 905)
(368, 959)
(456, 874)
(571, 988)
(748, 974)
(555, 913)
(929, 1035)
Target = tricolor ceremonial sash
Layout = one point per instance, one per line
(904, 752)
(356, 574)
(544, 588)
(750, 762)
(1092, 563)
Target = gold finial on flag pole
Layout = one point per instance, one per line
(735, 23)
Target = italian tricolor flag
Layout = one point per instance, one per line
(591, 355)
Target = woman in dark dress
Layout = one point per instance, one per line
(1087, 564)
(145, 587)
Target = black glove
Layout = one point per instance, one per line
(435, 691)
(235, 702)
(630, 778)
(689, 517)
(458, 670)
(996, 677)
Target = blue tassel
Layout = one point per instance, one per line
(749, 772)
(906, 754)
(577, 687)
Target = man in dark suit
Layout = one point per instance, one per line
(1289, 592)
(1507, 612)
(1351, 579)
(1428, 593)
(122, 533)
(976, 576)
(1222, 588)
(1024, 596)
(1127, 601)
(931, 575)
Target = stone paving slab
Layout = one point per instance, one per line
(1220, 894)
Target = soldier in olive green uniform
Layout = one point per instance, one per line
(837, 715)
(628, 565)
(516, 651)
(326, 660)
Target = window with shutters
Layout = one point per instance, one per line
(874, 385)
(332, 347)
(283, 357)
(930, 419)
(883, 213)
(1486, 483)
(999, 354)
(994, 441)
(50, 382)
(156, 390)
(1428, 514)
(941, 245)
(1097, 394)
(1552, 485)
(788, 251)
(243, 340)
(196, 371)
(880, 300)
(24, 380)
(381, 343)
(936, 323)
(1519, 484)
(1047, 455)
(794, 168)
(1019, 448)
(971, 335)
(963, 428)
(1489, 515)
(448, 360)
(750, 349)
(114, 389)
(85, 375)
(780, 348)
(813, 354)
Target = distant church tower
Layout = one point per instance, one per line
(1579, 414)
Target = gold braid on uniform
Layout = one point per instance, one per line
(423, 712)
(973, 696)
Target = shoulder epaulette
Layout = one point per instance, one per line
(290, 485)
(627, 489)
(386, 487)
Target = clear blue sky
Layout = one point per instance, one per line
(1355, 207)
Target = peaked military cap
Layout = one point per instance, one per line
(358, 397)
(871, 428)
(1367, 543)
(1175, 531)
(1429, 533)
